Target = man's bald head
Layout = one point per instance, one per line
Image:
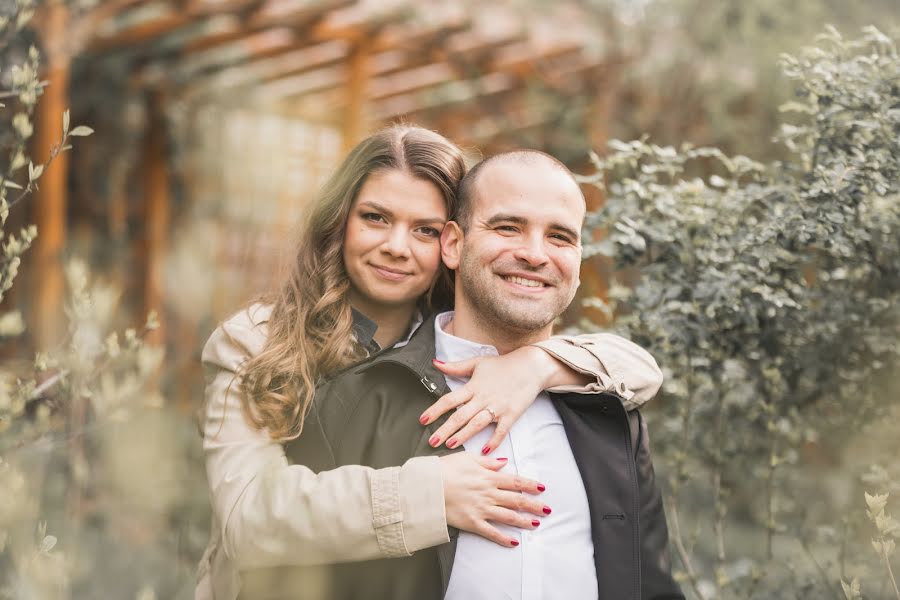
(468, 187)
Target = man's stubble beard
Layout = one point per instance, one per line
(493, 308)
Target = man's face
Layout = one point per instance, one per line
(517, 264)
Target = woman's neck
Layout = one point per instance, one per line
(393, 321)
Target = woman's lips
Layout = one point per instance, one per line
(390, 274)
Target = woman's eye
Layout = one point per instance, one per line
(373, 217)
(429, 231)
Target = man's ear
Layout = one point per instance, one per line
(451, 244)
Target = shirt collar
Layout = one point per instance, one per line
(364, 330)
(450, 348)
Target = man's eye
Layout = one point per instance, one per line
(506, 228)
(561, 237)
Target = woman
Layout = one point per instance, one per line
(367, 268)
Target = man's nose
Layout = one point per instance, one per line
(532, 251)
(396, 243)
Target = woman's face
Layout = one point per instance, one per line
(392, 248)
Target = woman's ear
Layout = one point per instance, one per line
(451, 244)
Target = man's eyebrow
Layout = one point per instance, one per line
(390, 214)
(505, 218)
(567, 230)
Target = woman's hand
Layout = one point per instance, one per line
(474, 494)
(508, 384)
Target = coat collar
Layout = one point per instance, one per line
(417, 355)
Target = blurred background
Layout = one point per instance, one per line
(182, 138)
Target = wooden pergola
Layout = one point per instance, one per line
(353, 63)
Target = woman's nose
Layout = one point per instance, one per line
(396, 243)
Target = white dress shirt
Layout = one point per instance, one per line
(554, 561)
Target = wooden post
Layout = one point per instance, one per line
(596, 273)
(47, 281)
(354, 122)
(155, 211)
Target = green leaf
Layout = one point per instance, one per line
(47, 544)
(34, 172)
(81, 131)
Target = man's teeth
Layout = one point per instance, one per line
(525, 282)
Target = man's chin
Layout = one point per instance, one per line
(524, 316)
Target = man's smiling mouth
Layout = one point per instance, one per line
(523, 281)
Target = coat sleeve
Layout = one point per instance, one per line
(619, 366)
(272, 513)
(657, 582)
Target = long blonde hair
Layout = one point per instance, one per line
(310, 331)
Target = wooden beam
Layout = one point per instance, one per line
(281, 66)
(454, 93)
(300, 17)
(524, 59)
(161, 18)
(50, 200)
(354, 117)
(156, 211)
(204, 7)
(393, 74)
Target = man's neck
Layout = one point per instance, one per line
(469, 325)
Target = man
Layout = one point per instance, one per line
(516, 251)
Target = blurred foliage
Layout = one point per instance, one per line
(702, 71)
(769, 292)
(67, 435)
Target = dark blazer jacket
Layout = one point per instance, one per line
(369, 415)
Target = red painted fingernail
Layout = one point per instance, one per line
(423, 420)
(547, 510)
(502, 459)
(434, 441)
(437, 362)
(514, 542)
(486, 450)
(541, 487)
(535, 523)
(451, 443)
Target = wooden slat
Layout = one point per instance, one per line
(142, 32)
(393, 76)
(454, 93)
(210, 7)
(156, 212)
(303, 15)
(280, 66)
(51, 199)
(354, 117)
(524, 59)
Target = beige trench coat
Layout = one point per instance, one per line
(267, 512)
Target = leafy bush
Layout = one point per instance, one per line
(51, 402)
(769, 292)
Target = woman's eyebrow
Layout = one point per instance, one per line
(375, 206)
(371, 204)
